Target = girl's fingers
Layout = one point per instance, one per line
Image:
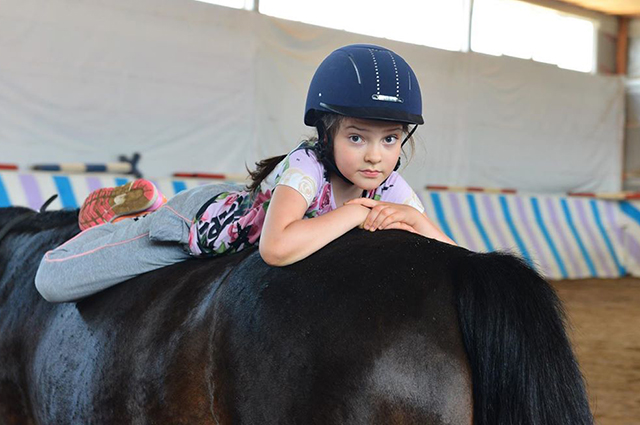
(398, 225)
(373, 213)
(388, 216)
(373, 216)
(394, 217)
(370, 203)
(382, 217)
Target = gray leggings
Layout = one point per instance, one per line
(105, 255)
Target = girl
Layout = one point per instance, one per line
(361, 100)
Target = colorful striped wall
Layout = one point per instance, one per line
(32, 189)
(563, 237)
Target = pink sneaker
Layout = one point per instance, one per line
(107, 204)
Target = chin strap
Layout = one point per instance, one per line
(325, 151)
(406, 139)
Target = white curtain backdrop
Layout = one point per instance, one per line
(198, 87)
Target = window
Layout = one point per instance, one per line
(435, 23)
(498, 27)
(527, 31)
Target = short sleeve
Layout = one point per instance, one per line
(301, 171)
(397, 190)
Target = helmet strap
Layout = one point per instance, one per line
(406, 139)
(326, 152)
(413, 130)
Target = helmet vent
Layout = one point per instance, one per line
(395, 68)
(409, 75)
(356, 68)
(375, 66)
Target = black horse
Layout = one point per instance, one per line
(376, 328)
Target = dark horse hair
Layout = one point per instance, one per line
(264, 167)
(386, 327)
(512, 322)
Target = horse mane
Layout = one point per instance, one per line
(37, 233)
(39, 221)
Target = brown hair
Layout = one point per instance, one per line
(332, 123)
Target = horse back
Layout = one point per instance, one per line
(137, 353)
(358, 333)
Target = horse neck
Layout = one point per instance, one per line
(36, 234)
(22, 248)
(38, 221)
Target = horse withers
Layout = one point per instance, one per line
(376, 328)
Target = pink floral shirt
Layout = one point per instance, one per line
(232, 221)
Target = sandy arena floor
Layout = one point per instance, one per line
(606, 334)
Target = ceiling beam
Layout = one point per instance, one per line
(622, 45)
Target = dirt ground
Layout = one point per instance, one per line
(605, 315)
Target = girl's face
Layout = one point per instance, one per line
(366, 151)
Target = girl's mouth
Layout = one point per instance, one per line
(370, 173)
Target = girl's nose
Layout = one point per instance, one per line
(373, 154)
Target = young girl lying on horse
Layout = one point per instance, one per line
(361, 100)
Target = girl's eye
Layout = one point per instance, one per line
(390, 139)
(355, 139)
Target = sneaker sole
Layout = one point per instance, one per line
(104, 205)
(132, 197)
(160, 201)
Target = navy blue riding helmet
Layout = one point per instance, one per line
(362, 81)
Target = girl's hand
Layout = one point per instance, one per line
(287, 237)
(401, 226)
(387, 215)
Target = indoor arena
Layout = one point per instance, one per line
(320, 212)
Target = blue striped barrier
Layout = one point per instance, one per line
(563, 237)
(32, 189)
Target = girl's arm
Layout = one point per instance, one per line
(287, 238)
(388, 215)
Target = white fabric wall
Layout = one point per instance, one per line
(198, 87)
